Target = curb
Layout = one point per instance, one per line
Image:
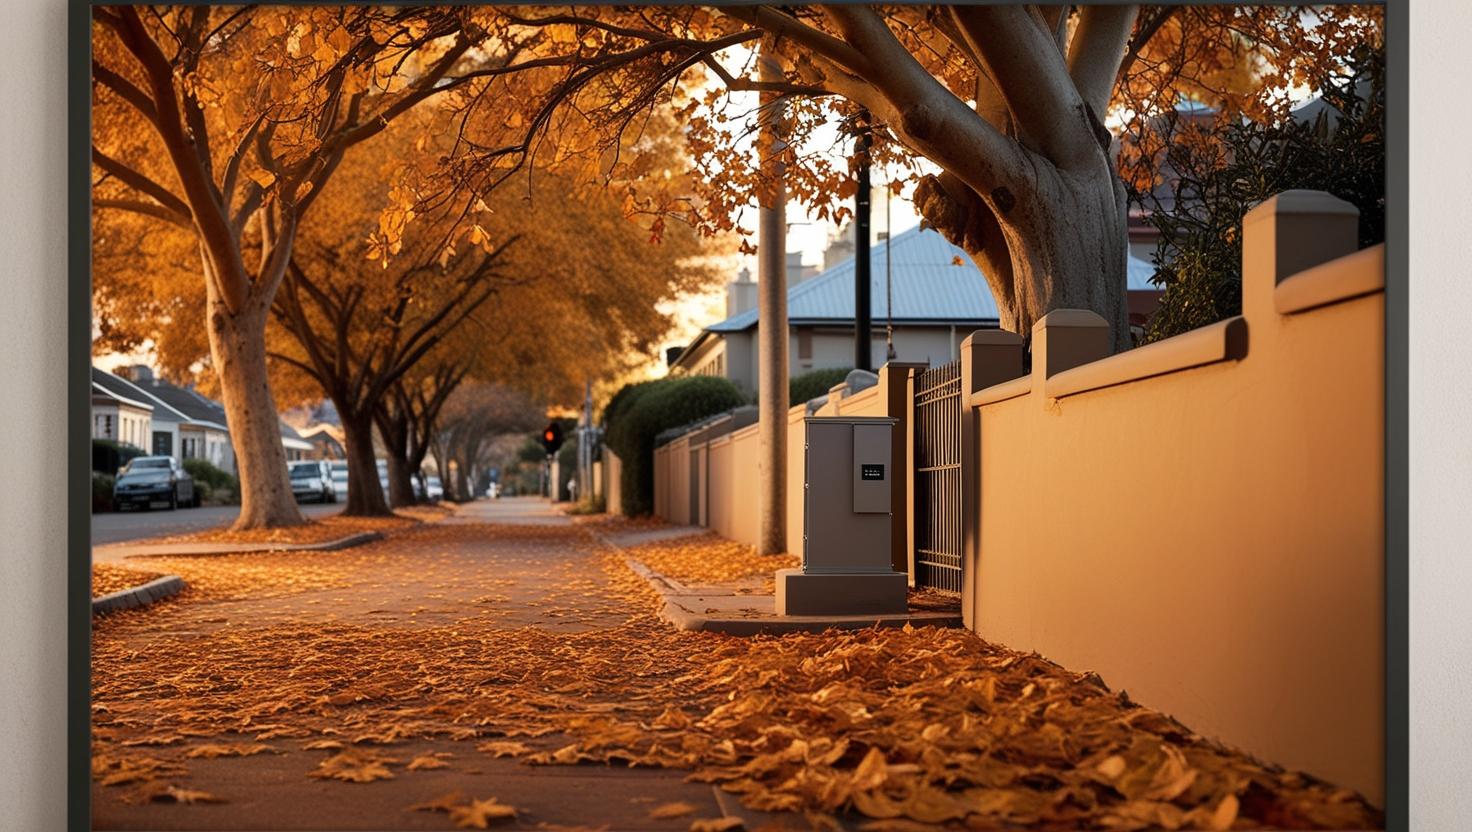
(684, 619)
(185, 550)
(138, 596)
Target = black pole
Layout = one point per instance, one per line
(863, 325)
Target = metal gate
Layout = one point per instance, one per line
(937, 420)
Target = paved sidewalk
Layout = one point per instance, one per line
(429, 577)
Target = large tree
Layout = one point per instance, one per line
(227, 122)
(1009, 102)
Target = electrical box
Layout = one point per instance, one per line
(848, 505)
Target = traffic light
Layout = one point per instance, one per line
(551, 437)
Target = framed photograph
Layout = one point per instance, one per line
(730, 417)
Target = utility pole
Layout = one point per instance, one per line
(863, 306)
(771, 302)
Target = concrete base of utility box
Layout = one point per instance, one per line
(879, 593)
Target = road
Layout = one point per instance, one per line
(116, 527)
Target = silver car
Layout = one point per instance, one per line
(311, 481)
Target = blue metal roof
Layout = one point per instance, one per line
(932, 281)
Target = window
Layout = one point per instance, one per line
(163, 444)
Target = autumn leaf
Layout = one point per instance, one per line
(723, 824)
(173, 794)
(673, 810)
(210, 751)
(503, 748)
(479, 814)
(425, 762)
(355, 766)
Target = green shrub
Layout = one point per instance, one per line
(639, 412)
(102, 491)
(213, 483)
(814, 383)
(1243, 163)
(109, 455)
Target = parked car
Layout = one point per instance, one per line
(311, 480)
(340, 479)
(146, 480)
(434, 489)
(383, 475)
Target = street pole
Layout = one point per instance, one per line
(772, 334)
(863, 309)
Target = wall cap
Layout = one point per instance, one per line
(1350, 276)
(1069, 318)
(1300, 201)
(1007, 390)
(1221, 341)
(1002, 337)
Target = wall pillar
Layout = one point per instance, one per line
(897, 395)
(988, 356)
(1286, 234)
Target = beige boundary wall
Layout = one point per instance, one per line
(708, 476)
(1201, 520)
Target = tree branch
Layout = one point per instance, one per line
(1096, 51)
(1023, 60)
(931, 117)
(176, 207)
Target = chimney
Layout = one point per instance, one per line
(740, 294)
(139, 374)
(796, 271)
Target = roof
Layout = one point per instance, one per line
(104, 391)
(933, 281)
(194, 407)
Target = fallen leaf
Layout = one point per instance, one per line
(479, 814)
(673, 810)
(725, 824)
(355, 767)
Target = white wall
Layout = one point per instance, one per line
(33, 331)
(1440, 439)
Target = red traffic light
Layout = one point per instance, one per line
(552, 438)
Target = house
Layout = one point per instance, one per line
(120, 412)
(934, 297)
(163, 418)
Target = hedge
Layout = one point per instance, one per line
(102, 491)
(211, 482)
(639, 412)
(814, 383)
(108, 455)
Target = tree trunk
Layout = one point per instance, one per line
(395, 432)
(365, 493)
(238, 351)
(400, 481)
(1060, 244)
(1069, 247)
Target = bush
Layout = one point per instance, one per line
(639, 412)
(1241, 164)
(211, 482)
(102, 491)
(814, 383)
(109, 455)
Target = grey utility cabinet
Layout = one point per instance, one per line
(846, 567)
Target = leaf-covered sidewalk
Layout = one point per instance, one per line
(426, 680)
